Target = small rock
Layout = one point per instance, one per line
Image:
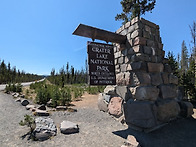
(45, 128)
(41, 113)
(68, 127)
(18, 100)
(61, 108)
(49, 103)
(16, 95)
(30, 107)
(22, 96)
(132, 140)
(24, 102)
(42, 107)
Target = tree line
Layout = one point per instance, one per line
(10, 74)
(184, 66)
(68, 75)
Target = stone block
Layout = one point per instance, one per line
(155, 67)
(138, 49)
(146, 22)
(115, 106)
(151, 43)
(139, 41)
(156, 79)
(168, 91)
(130, 51)
(124, 92)
(165, 77)
(140, 114)
(139, 66)
(120, 79)
(147, 50)
(123, 67)
(186, 109)
(173, 79)
(120, 60)
(127, 25)
(140, 57)
(147, 28)
(124, 32)
(167, 110)
(135, 20)
(141, 78)
(145, 93)
(146, 34)
(167, 68)
(136, 33)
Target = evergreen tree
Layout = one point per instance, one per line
(173, 63)
(184, 58)
(134, 8)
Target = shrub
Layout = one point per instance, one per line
(29, 121)
(65, 97)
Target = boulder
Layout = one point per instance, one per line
(123, 92)
(102, 104)
(41, 107)
(186, 109)
(68, 127)
(45, 128)
(41, 113)
(24, 102)
(167, 110)
(145, 93)
(115, 106)
(140, 114)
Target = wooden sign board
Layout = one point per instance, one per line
(101, 64)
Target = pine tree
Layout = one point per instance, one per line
(184, 58)
(134, 8)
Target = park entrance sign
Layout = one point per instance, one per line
(101, 64)
(100, 56)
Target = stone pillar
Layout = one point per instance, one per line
(144, 78)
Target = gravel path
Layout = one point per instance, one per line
(97, 129)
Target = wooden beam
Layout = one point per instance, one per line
(95, 33)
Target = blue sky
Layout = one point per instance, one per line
(36, 35)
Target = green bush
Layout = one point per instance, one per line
(65, 97)
(43, 95)
(13, 88)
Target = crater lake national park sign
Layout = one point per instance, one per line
(101, 64)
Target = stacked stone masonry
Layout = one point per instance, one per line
(144, 78)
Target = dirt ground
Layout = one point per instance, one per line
(97, 129)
